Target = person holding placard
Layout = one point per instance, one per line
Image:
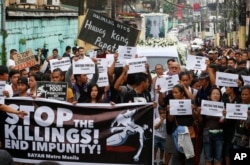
(140, 92)
(231, 95)
(11, 64)
(242, 130)
(178, 158)
(213, 133)
(57, 75)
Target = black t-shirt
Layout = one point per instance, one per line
(131, 95)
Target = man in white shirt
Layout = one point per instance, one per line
(4, 76)
(11, 63)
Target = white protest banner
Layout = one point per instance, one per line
(196, 62)
(2, 87)
(236, 111)
(226, 79)
(167, 83)
(212, 108)
(103, 79)
(127, 52)
(246, 80)
(82, 66)
(180, 107)
(102, 64)
(136, 65)
(63, 63)
(62, 132)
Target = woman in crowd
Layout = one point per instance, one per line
(22, 87)
(33, 78)
(185, 80)
(213, 133)
(231, 95)
(179, 93)
(242, 130)
(94, 94)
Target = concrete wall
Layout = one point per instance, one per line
(39, 32)
(52, 32)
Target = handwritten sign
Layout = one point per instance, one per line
(226, 79)
(236, 111)
(136, 65)
(167, 82)
(107, 33)
(180, 107)
(196, 62)
(127, 52)
(82, 66)
(63, 63)
(212, 108)
(24, 60)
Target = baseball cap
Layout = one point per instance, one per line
(211, 52)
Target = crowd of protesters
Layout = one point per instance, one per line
(213, 136)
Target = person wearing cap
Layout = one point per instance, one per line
(206, 86)
(22, 87)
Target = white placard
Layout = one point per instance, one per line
(180, 107)
(63, 63)
(2, 101)
(2, 87)
(119, 63)
(136, 65)
(212, 108)
(44, 66)
(226, 79)
(127, 52)
(167, 83)
(246, 80)
(103, 80)
(196, 62)
(102, 64)
(236, 111)
(82, 66)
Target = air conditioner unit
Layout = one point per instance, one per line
(53, 2)
(26, 1)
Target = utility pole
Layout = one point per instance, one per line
(234, 23)
(242, 33)
(217, 35)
